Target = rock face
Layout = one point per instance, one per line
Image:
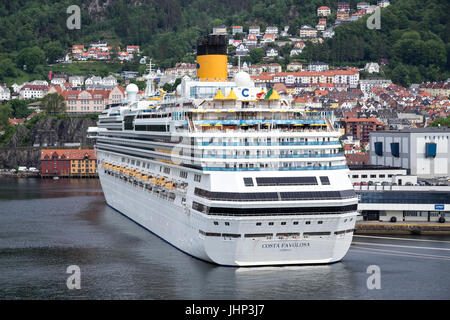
(24, 147)
(52, 132)
(23, 156)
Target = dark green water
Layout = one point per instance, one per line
(48, 225)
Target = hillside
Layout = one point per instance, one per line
(34, 31)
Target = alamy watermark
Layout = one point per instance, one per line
(74, 20)
(74, 280)
(374, 280)
(374, 21)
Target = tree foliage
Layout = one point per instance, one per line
(414, 33)
(53, 104)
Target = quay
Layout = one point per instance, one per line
(7, 174)
(382, 227)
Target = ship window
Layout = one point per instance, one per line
(183, 174)
(286, 181)
(316, 233)
(216, 223)
(258, 224)
(324, 180)
(270, 223)
(319, 222)
(227, 223)
(308, 222)
(283, 223)
(355, 176)
(231, 235)
(248, 182)
(197, 178)
(373, 175)
(167, 170)
(295, 222)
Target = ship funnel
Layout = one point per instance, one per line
(212, 58)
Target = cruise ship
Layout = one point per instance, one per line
(227, 172)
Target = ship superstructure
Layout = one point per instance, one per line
(228, 172)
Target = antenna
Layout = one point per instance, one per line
(150, 77)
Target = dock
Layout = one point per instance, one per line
(376, 227)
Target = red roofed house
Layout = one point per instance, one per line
(323, 11)
(132, 49)
(15, 122)
(77, 48)
(68, 162)
(90, 101)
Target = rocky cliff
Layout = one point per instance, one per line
(24, 147)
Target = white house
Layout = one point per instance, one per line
(58, 81)
(76, 81)
(241, 50)
(383, 3)
(254, 30)
(328, 33)
(30, 91)
(372, 67)
(318, 66)
(272, 30)
(109, 81)
(285, 32)
(93, 81)
(295, 52)
(5, 93)
(272, 52)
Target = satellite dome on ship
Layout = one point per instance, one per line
(242, 79)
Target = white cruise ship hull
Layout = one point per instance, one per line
(180, 226)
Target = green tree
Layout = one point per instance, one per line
(7, 68)
(53, 51)
(5, 114)
(400, 75)
(442, 122)
(31, 58)
(53, 103)
(256, 55)
(20, 109)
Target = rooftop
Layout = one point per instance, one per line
(373, 167)
(417, 130)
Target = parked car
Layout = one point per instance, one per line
(385, 183)
(408, 184)
(364, 184)
(421, 183)
(357, 184)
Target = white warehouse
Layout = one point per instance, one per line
(424, 152)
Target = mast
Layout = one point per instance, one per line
(150, 78)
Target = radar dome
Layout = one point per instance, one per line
(132, 91)
(132, 88)
(242, 79)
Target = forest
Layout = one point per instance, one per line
(414, 37)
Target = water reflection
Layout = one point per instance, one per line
(48, 225)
